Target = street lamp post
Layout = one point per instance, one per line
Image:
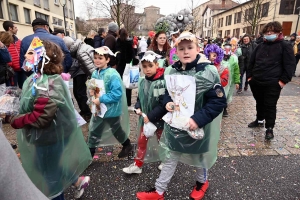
(297, 19)
(63, 4)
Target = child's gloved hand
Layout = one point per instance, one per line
(170, 106)
(193, 125)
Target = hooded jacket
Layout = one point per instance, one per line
(271, 62)
(84, 53)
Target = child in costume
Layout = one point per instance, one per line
(231, 61)
(52, 147)
(195, 73)
(215, 54)
(110, 125)
(150, 107)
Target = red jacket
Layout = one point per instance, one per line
(14, 50)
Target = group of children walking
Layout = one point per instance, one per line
(186, 129)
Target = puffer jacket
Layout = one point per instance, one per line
(75, 69)
(84, 53)
(14, 50)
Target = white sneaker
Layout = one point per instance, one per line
(130, 108)
(132, 169)
(80, 189)
(160, 166)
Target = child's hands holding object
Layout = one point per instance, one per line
(170, 106)
(146, 119)
(193, 125)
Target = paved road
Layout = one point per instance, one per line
(247, 168)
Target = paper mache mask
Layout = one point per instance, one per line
(150, 56)
(33, 54)
(105, 50)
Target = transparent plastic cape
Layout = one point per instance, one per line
(161, 62)
(233, 61)
(230, 79)
(201, 153)
(149, 91)
(55, 156)
(103, 131)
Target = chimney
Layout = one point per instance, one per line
(223, 3)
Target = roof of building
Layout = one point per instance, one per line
(230, 4)
(152, 7)
(233, 7)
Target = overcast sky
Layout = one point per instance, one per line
(166, 6)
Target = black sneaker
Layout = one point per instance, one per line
(269, 134)
(125, 151)
(225, 113)
(255, 124)
(246, 88)
(239, 91)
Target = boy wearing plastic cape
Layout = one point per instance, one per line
(111, 125)
(231, 61)
(52, 147)
(208, 98)
(150, 107)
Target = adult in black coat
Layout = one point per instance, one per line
(247, 47)
(271, 67)
(98, 39)
(125, 56)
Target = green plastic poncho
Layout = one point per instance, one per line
(55, 156)
(113, 128)
(234, 76)
(161, 62)
(200, 153)
(228, 86)
(149, 92)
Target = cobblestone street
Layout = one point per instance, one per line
(239, 148)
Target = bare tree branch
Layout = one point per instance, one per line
(193, 5)
(254, 12)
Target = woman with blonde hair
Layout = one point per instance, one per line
(90, 38)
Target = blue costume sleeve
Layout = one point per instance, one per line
(215, 103)
(115, 93)
(5, 56)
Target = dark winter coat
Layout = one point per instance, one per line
(110, 42)
(126, 54)
(89, 41)
(271, 62)
(4, 59)
(244, 59)
(98, 40)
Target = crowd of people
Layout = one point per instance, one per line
(187, 85)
